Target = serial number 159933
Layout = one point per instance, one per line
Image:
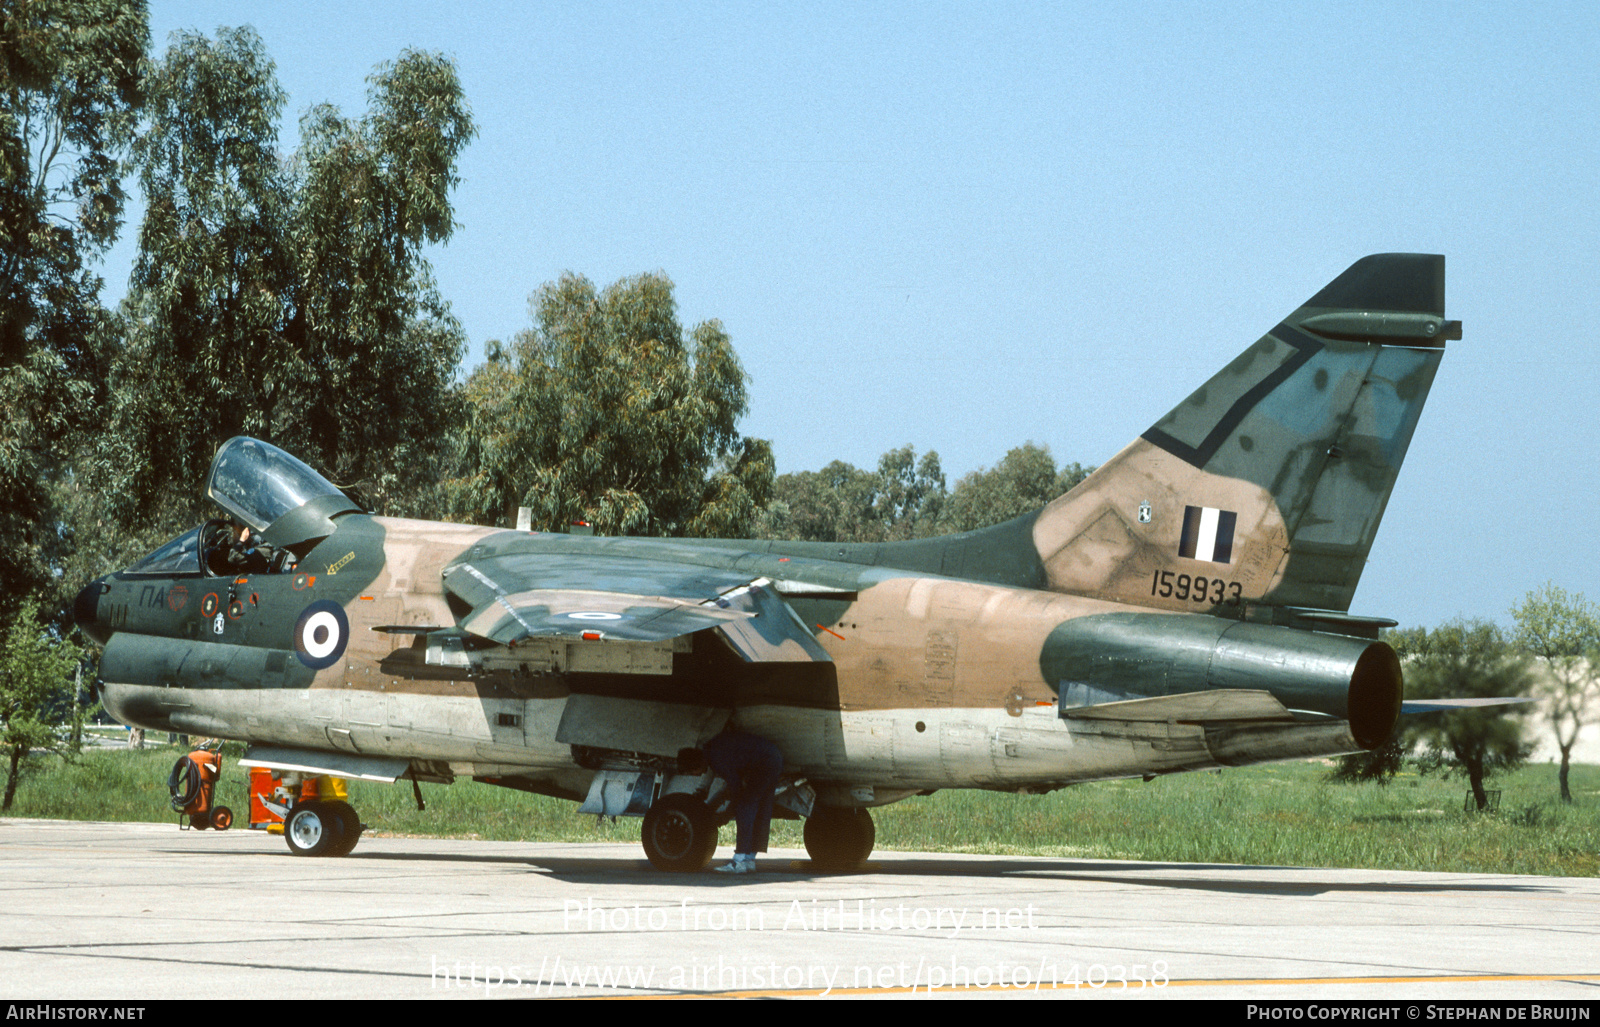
(1196, 588)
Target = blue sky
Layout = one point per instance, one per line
(966, 226)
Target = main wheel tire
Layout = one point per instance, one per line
(349, 826)
(680, 834)
(312, 830)
(839, 837)
(221, 818)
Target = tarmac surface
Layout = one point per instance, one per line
(142, 911)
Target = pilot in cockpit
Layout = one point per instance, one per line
(245, 553)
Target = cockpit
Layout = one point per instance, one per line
(278, 509)
(260, 484)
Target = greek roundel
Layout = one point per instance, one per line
(321, 633)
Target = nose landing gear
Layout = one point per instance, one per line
(322, 828)
(310, 810)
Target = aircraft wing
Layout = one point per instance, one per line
(520, 596)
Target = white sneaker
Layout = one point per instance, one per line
(740, 865)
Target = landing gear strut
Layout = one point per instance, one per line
(839, 837)
(317, 821)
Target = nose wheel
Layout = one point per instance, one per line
(322, 828)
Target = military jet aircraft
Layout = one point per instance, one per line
(1185, 607)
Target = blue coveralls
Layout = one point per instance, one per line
(751, 765)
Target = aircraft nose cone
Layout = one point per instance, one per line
(86, 611)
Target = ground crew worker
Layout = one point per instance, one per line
(751, 765)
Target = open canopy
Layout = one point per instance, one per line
(279, 497)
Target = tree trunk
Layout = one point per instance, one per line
(11, 779)
(1566, 761)
(1474, 767)
(77, 711)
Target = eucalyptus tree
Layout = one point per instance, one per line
(376, 345)
(286, 297)
(906, 497)
(901, 499)
(607, 411)
(1024, 480)
(213, 282)
(68, 103)
(69, 81)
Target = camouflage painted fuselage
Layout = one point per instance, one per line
(1184, 607)
(931, 682)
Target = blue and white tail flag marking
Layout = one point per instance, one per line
(1207, 534)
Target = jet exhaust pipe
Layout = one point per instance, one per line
(1119, 656)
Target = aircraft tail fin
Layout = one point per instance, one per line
(1267, 484)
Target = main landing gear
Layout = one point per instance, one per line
(838, 837)
(680, 834)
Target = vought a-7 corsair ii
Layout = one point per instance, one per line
(1185, 607)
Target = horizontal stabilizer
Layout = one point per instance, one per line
(1195, 707)
(1444, 705)
(1339, 623)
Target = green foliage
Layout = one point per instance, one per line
(1465, 660)
(906, 497)
(68, 97)
(1023, 481)
(1380, 765)
(1561, 630)
(283, 299)
(205, 357)
(1282, 814)
(68, 94)
(606, 411)
(37, 696)
(41, 396)
(377, 343)
(842, 503)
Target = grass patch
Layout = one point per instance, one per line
(1285, 814)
